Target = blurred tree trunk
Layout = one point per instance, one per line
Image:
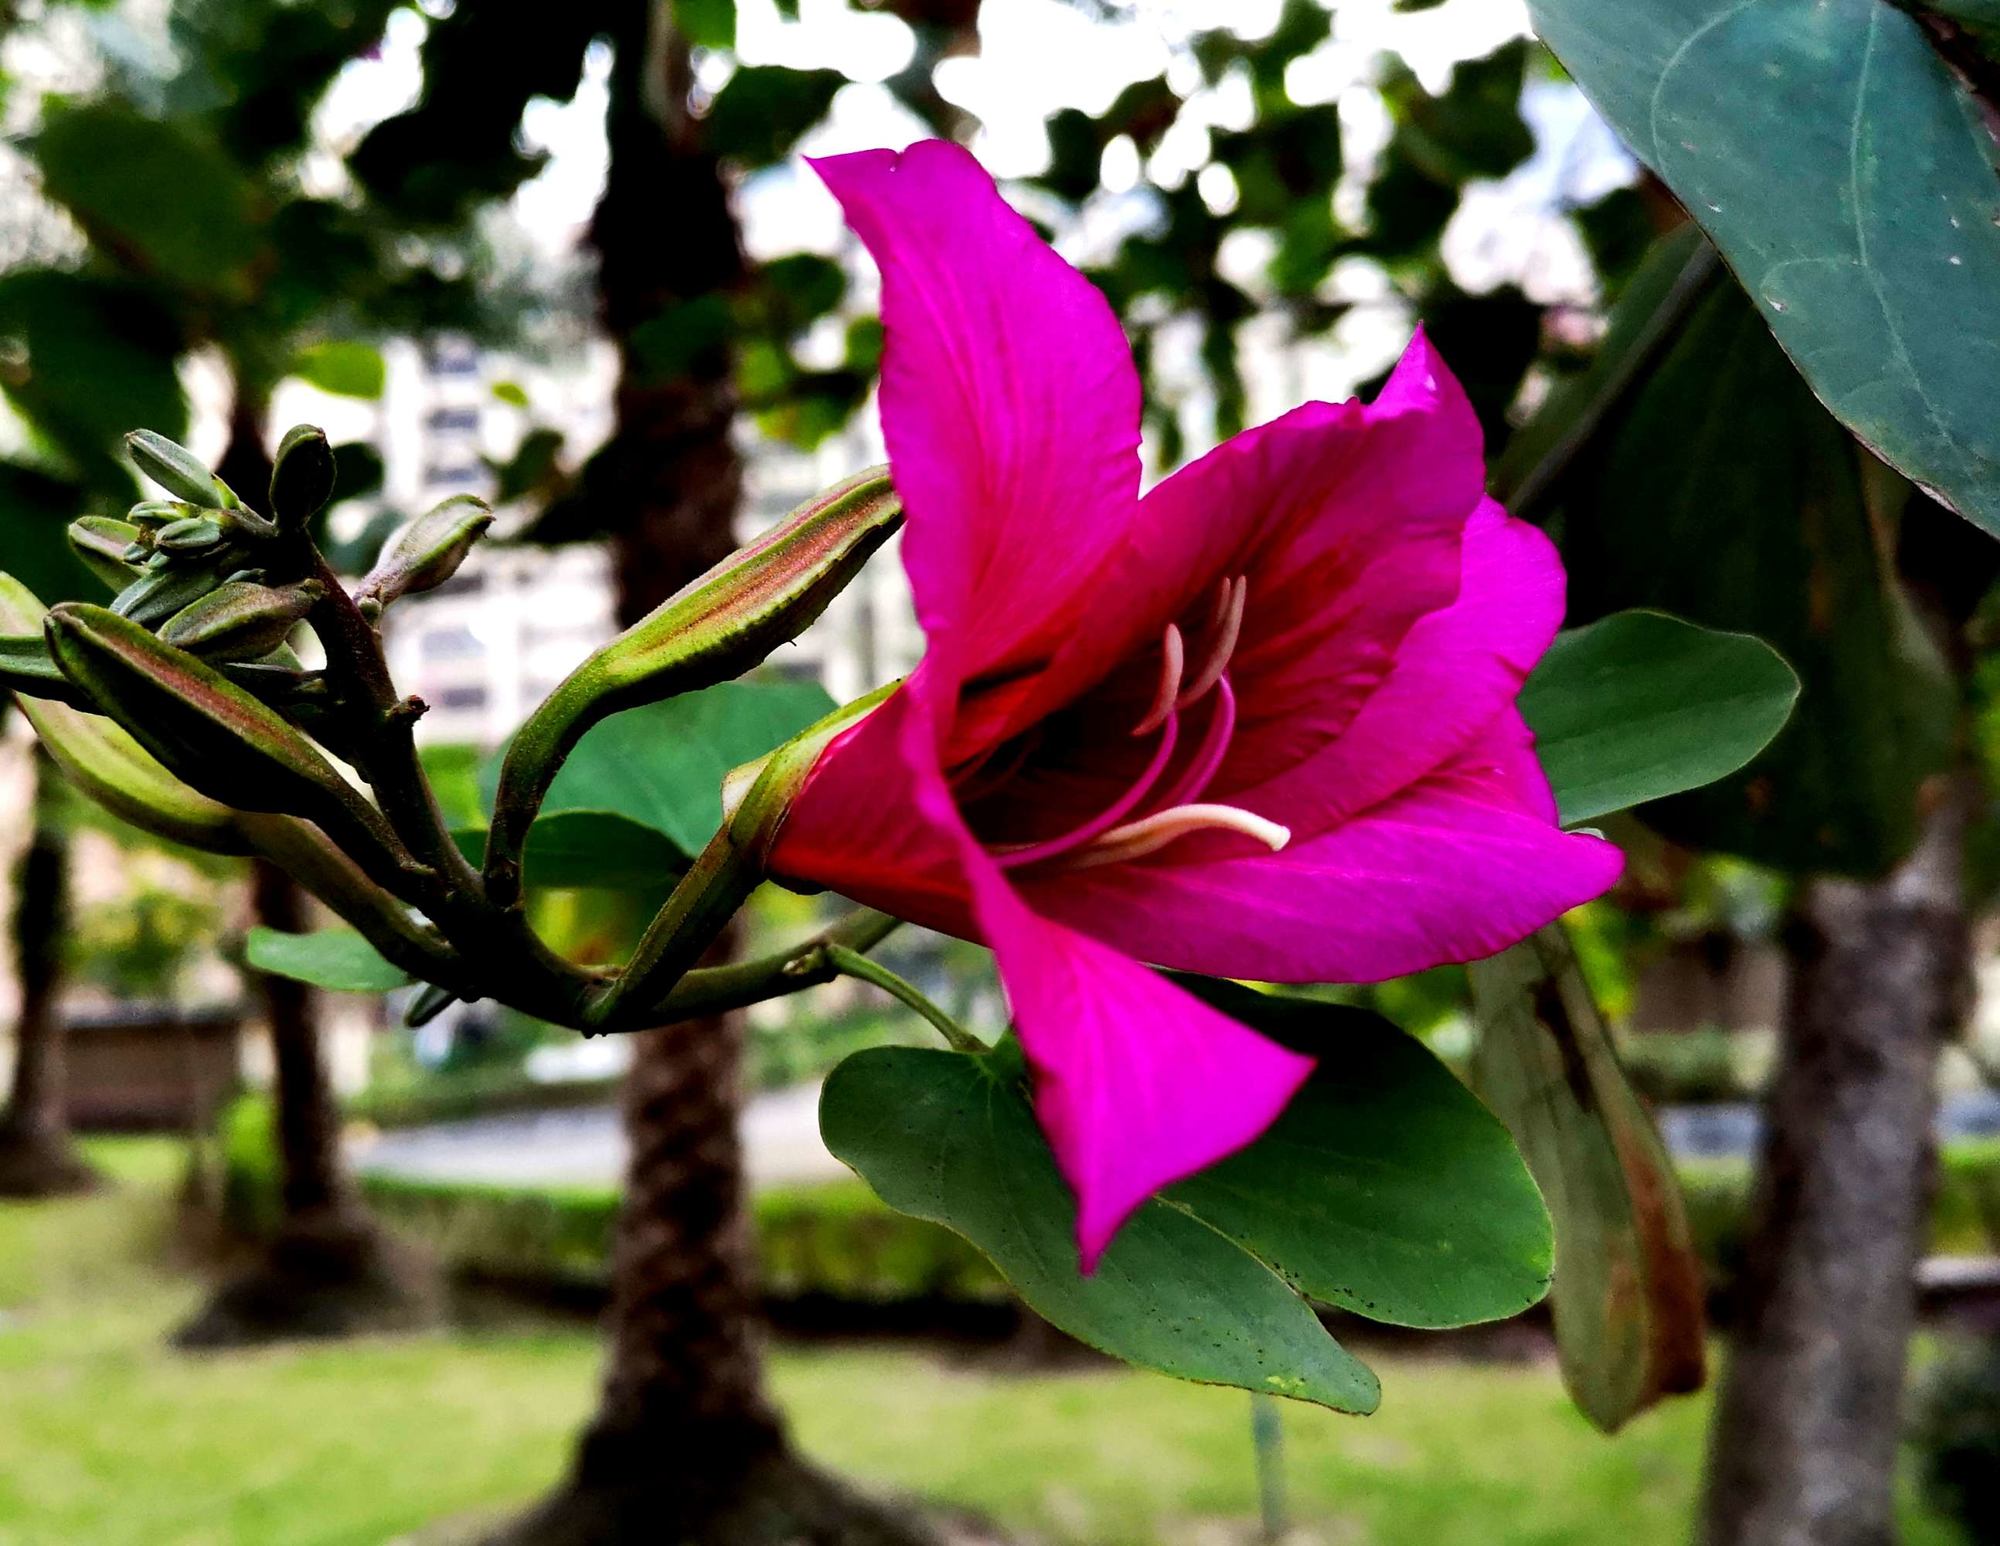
(37, 1158)
(685, 1446)
(1804, 1444)
(329, 1271)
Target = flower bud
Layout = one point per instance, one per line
(239, 620)
(27, 668)
(161, 592)
(301, 475)
(107, 764)
(712, 630)
(179, 471)
(196, 534)
(424, 553)
(152, 514)
(103, 544)
(208, 731)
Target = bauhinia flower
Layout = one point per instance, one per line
(1259, 723)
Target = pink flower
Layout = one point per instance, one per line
(1259, 723)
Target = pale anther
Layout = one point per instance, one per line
(1228, 628)
(1136, 839)
(1173, 658)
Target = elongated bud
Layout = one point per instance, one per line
(210, 732)
(426, 552)
(102, 544)
(27, 668)
(241, 621)
(159, 593)
(107, 765)
(179, 471)
(301, 476)
(712, 630)
(196, 534)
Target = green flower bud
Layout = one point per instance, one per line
(210, 732)
(166, 589)
(179, 471)
(155, 513)
(107, 764)
(301, 475)
(424, 553)
(241, 621)
(104, 545)
(196, 534)
(712, 630)
(27, 668)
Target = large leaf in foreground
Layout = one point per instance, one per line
(951, 1138)
(662, 765)
(1628, 1290)
(1385, 1187)
(590, 849)
(1847, 177)
(1640, 705)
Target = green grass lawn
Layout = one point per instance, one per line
(108, 1439)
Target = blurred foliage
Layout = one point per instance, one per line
(1956, 1435)
(142, 946)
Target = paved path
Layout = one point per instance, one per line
(781, 1141)
(781, 1145)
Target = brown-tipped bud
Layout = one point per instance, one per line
(301, 475)
(179, 471)
(241, 621)
(426, 552)
(104, 545)
(209, 731)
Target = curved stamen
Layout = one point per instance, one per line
(1228, 628)
(1214, 748)
(1104, 820)
(1136, 839)
(1173, 660)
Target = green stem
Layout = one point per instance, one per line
(851, 963)
(695, 914)
(714, 990)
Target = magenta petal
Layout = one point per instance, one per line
(1009, 402)
(1460, 865)
(1137, 1083)
(1451, 673)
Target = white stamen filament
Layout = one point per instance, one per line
(1138, 838)
(1228, 628)
(1173, 659)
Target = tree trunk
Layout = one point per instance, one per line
(37, 1158)
(685, 1447)
(1804, 1442)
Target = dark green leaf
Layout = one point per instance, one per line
(1848, 179)
(951, 1138)
(1640, 705)
(338, 959)
(594, 850)
(762, 110)
(1385, 1187)
(662, 765)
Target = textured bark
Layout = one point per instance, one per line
(37, 1158)
(1804, 1444)
(686, 1447)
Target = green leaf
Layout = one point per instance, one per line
(1640, 705)
(951, 1138)
(343, 367)
(590, 850)
(1717, 489)
(763, 109)
(1848, 179)
(338, 959)
(1385, 1187)
(662, 765)
(1628, 1286)
(159, 189)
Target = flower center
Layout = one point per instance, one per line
(1144, 817)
